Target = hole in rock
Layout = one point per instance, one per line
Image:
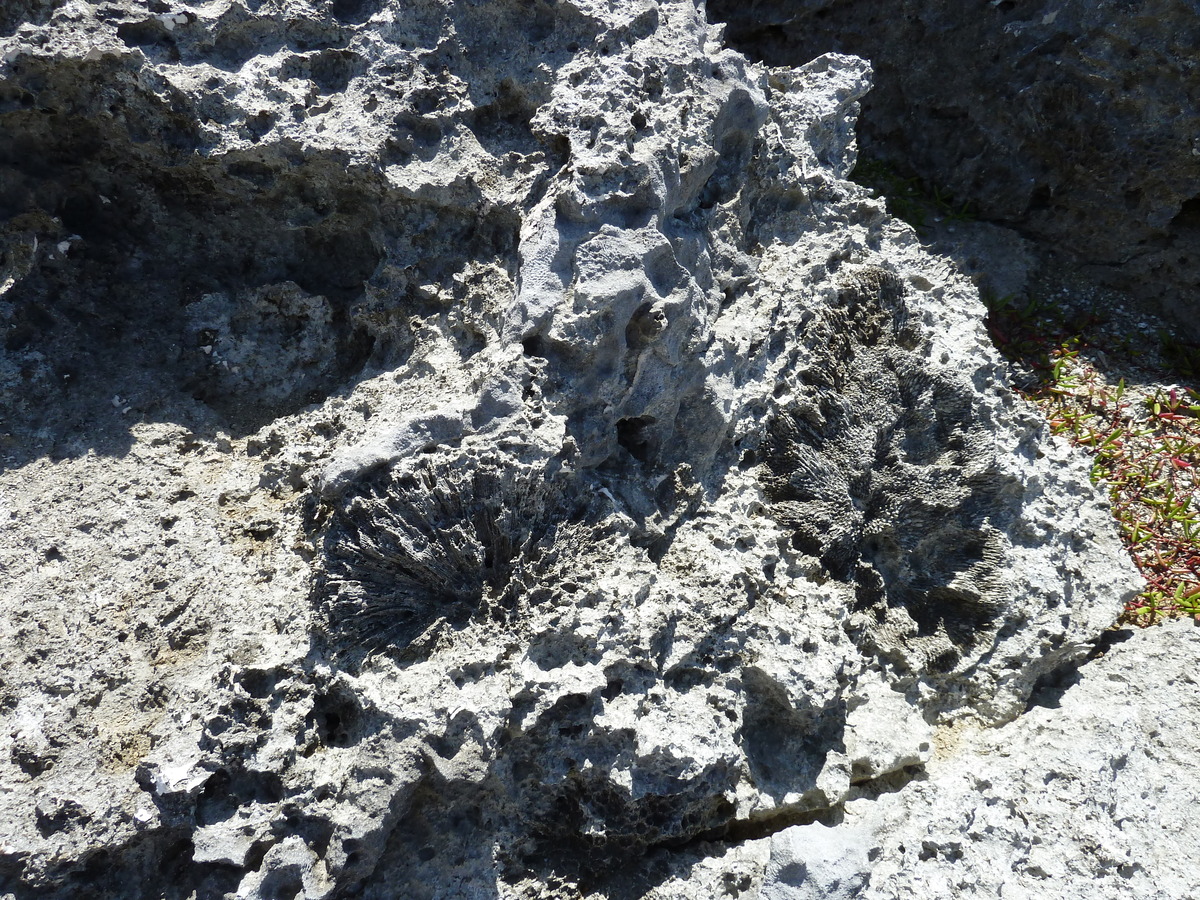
(637, 437)
(354, 12)
(336, 716)
(148, 33)
(1188, 216)
(534, 346)
(333, 69)
(1040, 199)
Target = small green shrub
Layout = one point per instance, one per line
(1145, 445)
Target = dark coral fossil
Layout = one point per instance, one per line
(887, 475)
(409, 549)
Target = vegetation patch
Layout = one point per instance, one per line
(1142, 431)
(909, 198)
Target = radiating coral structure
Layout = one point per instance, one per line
(885, 473)
(407, 550)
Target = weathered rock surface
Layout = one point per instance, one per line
(1072, 121)
(484, 450)
(1089, 794)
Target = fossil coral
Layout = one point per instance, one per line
(409, 549)
(883, 473)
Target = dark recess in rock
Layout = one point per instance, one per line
(635, 436)
(259, 272)
(559, 820)
(14, 13)
(786, 743)
(354, 11)
(162, 857)
(1051, 687)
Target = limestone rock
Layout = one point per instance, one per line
(1089, 794)
(1070, 121)
(485, 450)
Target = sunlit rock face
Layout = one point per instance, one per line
(1087, 789)
(484, 450)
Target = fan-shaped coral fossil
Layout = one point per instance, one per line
(409, 549)
(885, 474)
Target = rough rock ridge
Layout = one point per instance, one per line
(1073, 122)
(484, 450)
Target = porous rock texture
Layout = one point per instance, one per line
(1074, 122)
(1089, 794)
(461, 449)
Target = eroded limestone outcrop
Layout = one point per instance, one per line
(1071, 121)
(485, 450)
(1088, 794)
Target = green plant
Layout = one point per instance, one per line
(908, 197)
(1145, 450)
(1183, 358)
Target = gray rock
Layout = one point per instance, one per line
(487, 450)
(1072, 122)
(1090, 794)
(815, 862)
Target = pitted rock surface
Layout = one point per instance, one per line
(485, 450)
(1071, 122)
(1088, 794)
